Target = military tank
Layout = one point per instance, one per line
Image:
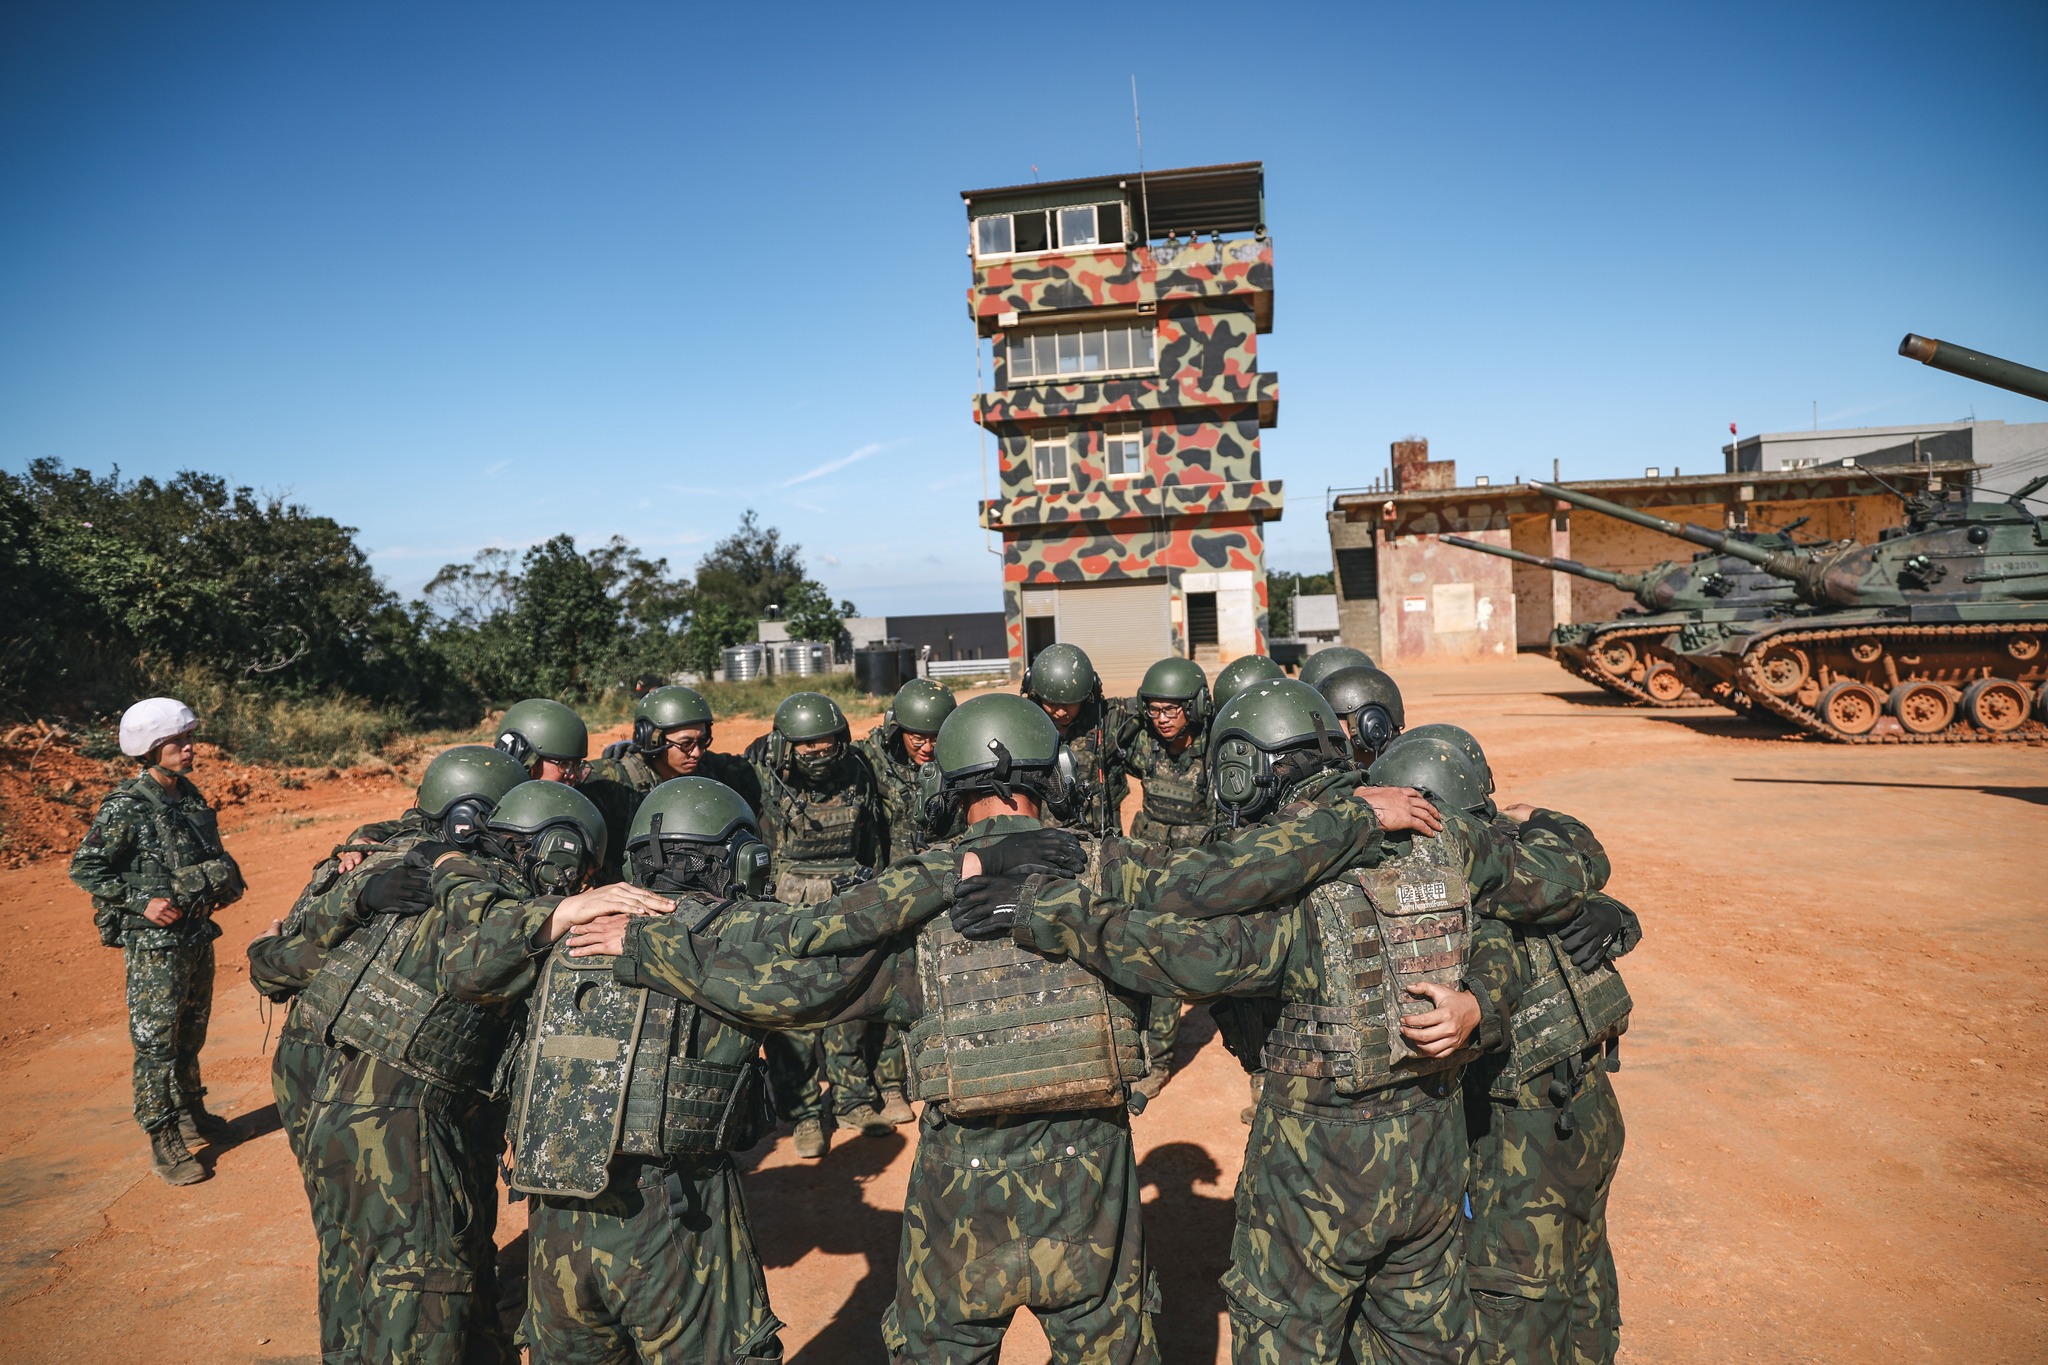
(1933, 634)
(1629, 656)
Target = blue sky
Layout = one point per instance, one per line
(472, 275)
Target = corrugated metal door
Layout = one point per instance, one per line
(1122, 626)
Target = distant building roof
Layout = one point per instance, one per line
(1184, 199)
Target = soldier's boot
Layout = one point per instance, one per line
(1244, 1115)
(811, 1138)
(196, 1126)
(896, 1109)
(172, 1159)
(868, 1120)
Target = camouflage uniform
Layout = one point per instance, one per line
(282, 965)
(660, 1266)
(145, 843)
(634, 771)
(1005, 1210)
(404, 1168)
(1542, 1272)
(818, 835)
(1099, 741)
(1348, 1207)
(1177, 813)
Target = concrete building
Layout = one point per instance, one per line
(1123, 315)
(1406, 598)
(2009, 454)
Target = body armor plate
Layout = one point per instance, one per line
(1562, 1012)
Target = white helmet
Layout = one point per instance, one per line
(153, 720)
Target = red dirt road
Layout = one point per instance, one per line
(1836, 1085)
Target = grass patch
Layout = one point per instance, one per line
(304, 732)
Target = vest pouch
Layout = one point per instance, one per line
(583, 1038)
(711, 1106)
(328, 992)
(1424, 910)
(821, 832)
(1172, 798)
(109, 919)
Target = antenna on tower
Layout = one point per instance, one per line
(1144, 199)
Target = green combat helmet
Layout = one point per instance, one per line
(1370, 703)
(692, 833)
(1434, 766)
(995, 742)
(557, 834)
(1181, 680)
(804, 718)
(1265, 722)
(665, 709)
(921, 707)
(1324, 662)
(463, 785)
(539, 728)
(1241, 673)
(1061, 674)
(1463, 741)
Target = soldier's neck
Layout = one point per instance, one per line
(991, 806)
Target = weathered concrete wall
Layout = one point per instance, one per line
(1440, 603)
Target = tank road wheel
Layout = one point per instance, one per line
(1995, 704)
(1663, 683)
(2023, 648)
(1866, 651)
(1784, 670)
(1850, 708)
(1923, 708)
(1615, 657)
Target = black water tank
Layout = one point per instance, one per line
(878, 670)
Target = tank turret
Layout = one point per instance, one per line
(1985, 369)
(1667, 587)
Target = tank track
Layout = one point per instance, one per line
(1649, 649)
(1959, 730)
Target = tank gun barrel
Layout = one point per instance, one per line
(1626, 582)
(1683, 530)
(1985, 369)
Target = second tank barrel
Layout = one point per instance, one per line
(1985, 369)
(1683, 530)
(1570, 566)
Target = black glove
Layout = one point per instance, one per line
(1045, 850)
(757, 752)
(985, 907)
(618, 748)
(402, 890)
(1587, 936)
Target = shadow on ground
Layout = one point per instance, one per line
(2033, 796)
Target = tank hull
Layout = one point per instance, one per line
(1637, 658)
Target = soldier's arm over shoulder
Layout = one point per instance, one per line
(740, 967)
(900, 899)
(1491, 976)
(280, 965)
(489, 947)
(1533, 874)
(1154, 952)
(1259, 867)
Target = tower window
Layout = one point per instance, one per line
(1068, 229)
(1077, 227)
(1050, 453)
(1123, 448)
(992, 236)
(1051, 353)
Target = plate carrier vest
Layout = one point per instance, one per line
(1382, 929)
(1175, 797)
(1008, 1031)
(817, 836)
(359, 998)
(607, 1071)
(1562, 1012)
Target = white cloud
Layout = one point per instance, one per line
(832, 560)
(834, 466)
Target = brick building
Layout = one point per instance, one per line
(1123, 316)
(1406, 598)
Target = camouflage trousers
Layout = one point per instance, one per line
(1352, 1228)
(170, 1003)
(1031, 1211)
(294, 1082)
(1542, 1273)
(861, 1061)
(405, 1209)
(795, 1075)
(1162, 1030)
(659, 1269)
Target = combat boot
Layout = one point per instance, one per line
(198, 1127)
(811, 1138)
(867, 1120)
(172, 1159)
(896, 1108)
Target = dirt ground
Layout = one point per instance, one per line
(1835, 1085)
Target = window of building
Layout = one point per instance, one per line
(1123, 448)
(1051, 353)
(992, 235)
(1069, 229)
(1201, 620)
(1050, 453)
(1802, 462)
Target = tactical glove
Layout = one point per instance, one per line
(757, 752)
(1587, 936)
(985, 907)
(402, 890)
(618, 748)
(1043, 850)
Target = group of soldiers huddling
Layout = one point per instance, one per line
(586, 961)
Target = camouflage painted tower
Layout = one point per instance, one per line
(1124, 316)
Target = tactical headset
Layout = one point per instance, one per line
(745, 856)
(462, 824)
(517, 747)
(557, 861)
(647, 739)
(1372, 728)
(1245, 777)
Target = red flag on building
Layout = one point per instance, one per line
(1731, 428)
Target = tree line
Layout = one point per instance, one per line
(111, 588)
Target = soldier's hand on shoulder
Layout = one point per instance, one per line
(349, 861)
(1591, 930)
(619, 898)
(1049, 850)
(618, 748)
(985, 907)
(1445, 1029)
(604, 936)
(1401, 808)
(402, 890)
(757, 752)
(1518, 812)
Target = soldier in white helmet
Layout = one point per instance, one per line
(156, 871)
